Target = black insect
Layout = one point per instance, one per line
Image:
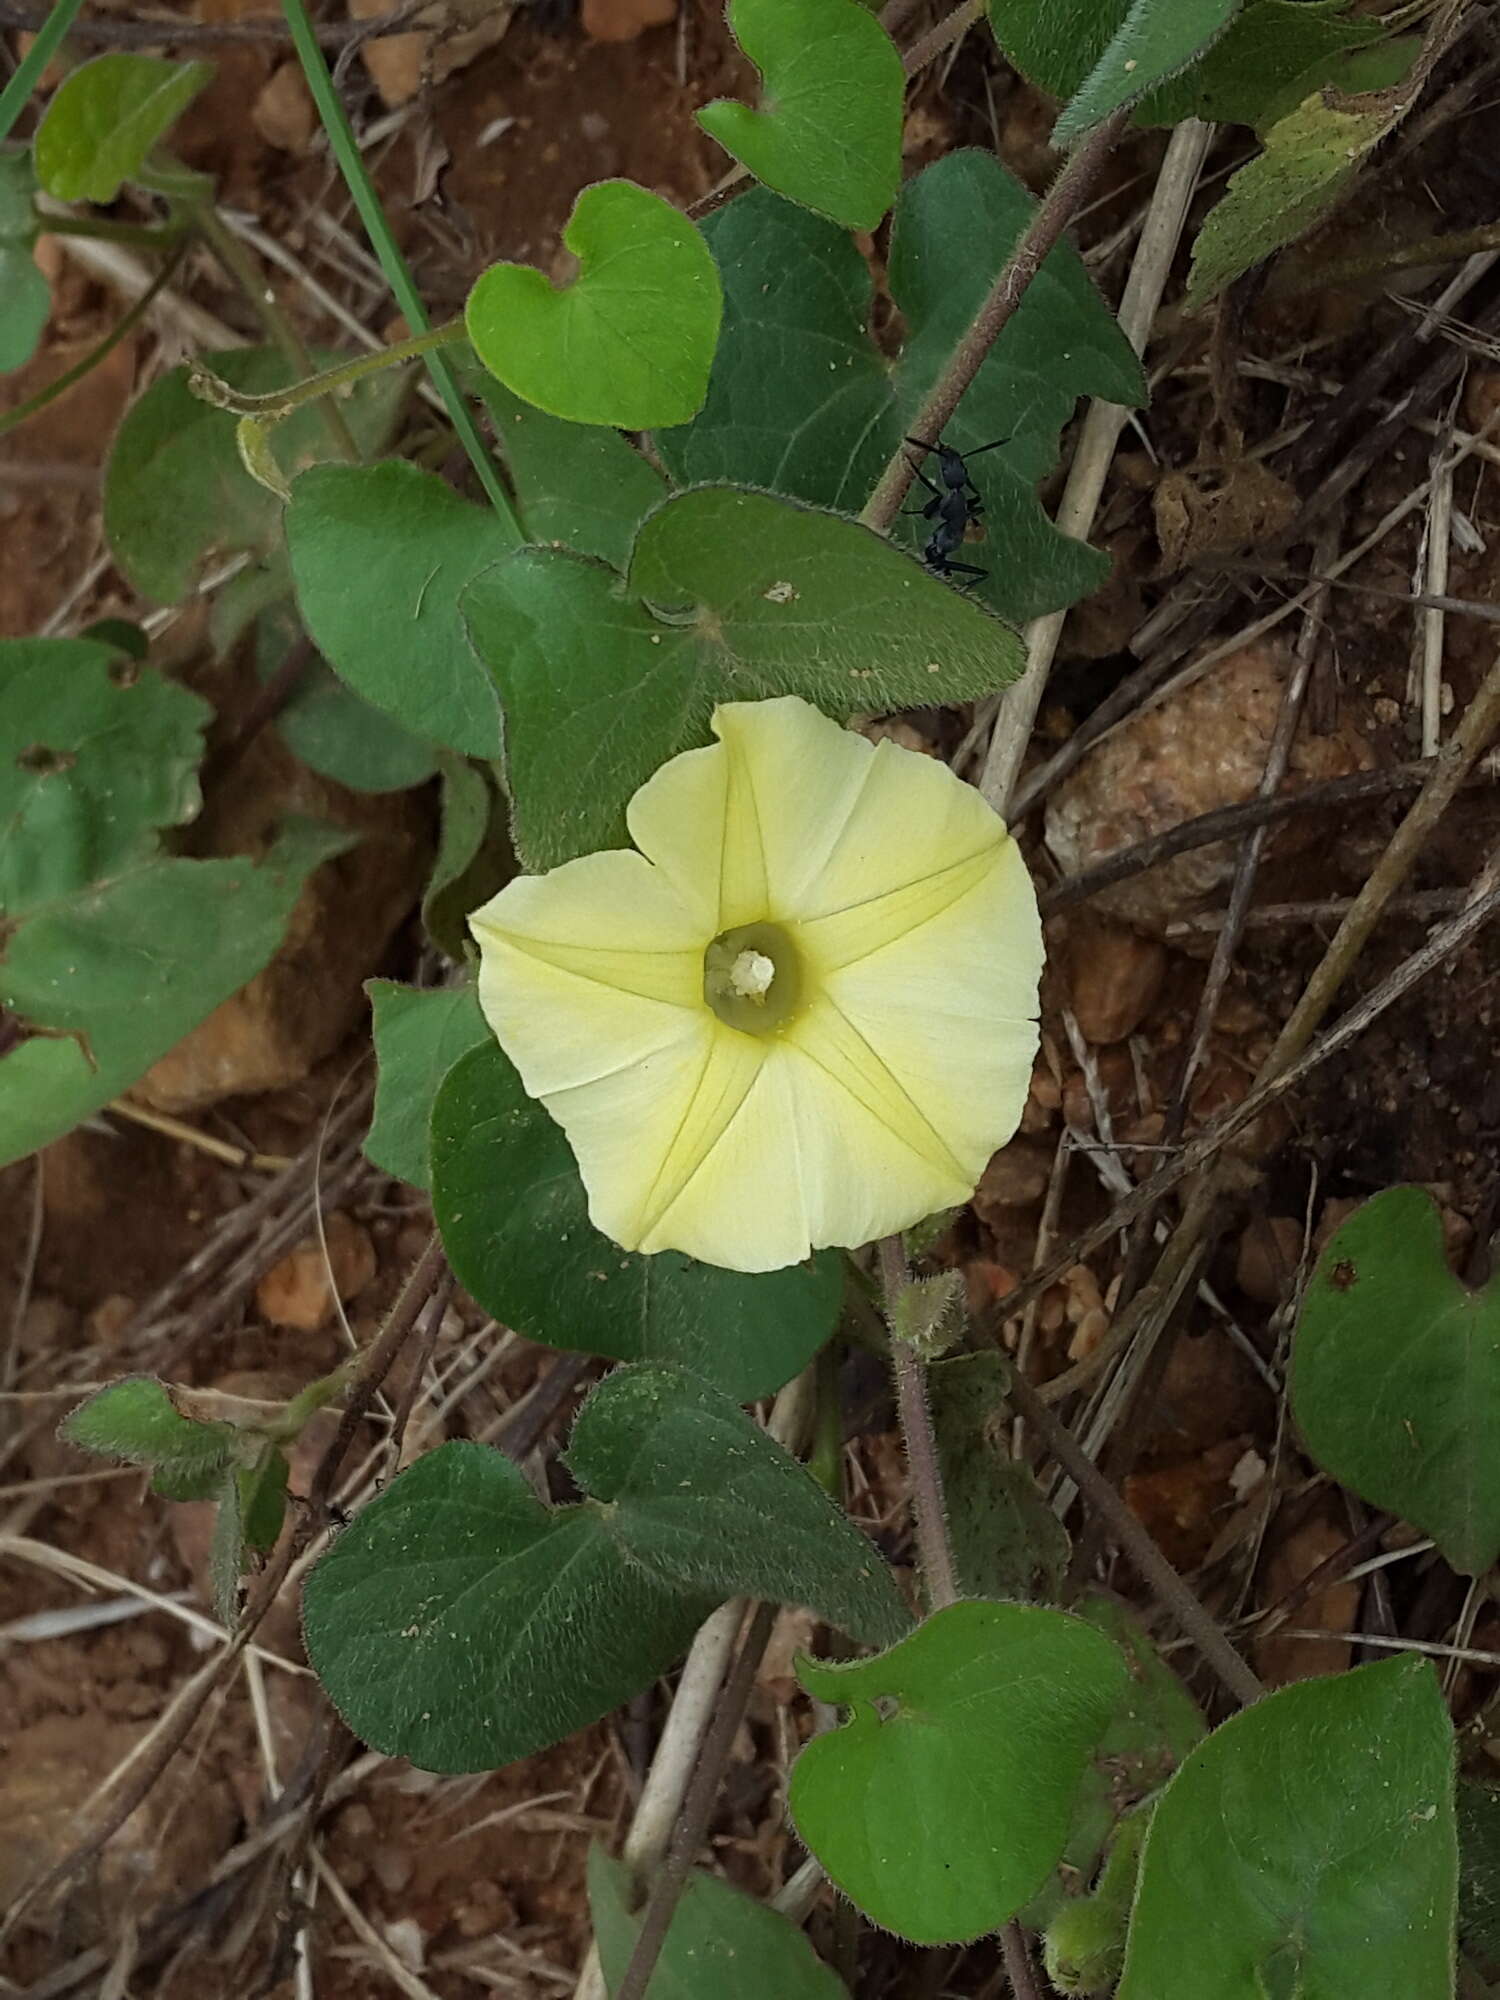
(953, 506)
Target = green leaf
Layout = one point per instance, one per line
(474, 858)
(1155, 39)
(117, 973)
(828, 134)
(419, 1036)
(1479, 1871)
(1395, 1378)
(720, 1941)
(1310, 157)
(136, 1419)
(1272, 47)
(514, 1220)
(631, 340)
(580, 486)
(380, 555)
(329, 728)
(730, 595)
(262, 1497)
(178, 501)
(1084, 1947)
(802, 403)
(94, 758)
(25, 296)
(1007, 1542)
(461, 1623)
(943, 1802)
(1306, 1849)
(106, 117)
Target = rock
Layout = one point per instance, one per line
(1114, 977)
(1265, 1264)
(283, 113)
(1015, 1177)
(301, 1005)
(163, 1851)
(1200, 749)
(447, 37)
(623, 20)
(298, 1291)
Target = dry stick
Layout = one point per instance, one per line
(1096, 446)
(952, 28)
(1482, 903)
(698, 1806)
(172, 30)
(1066, 196)
(189, 1702)
(1148, 1559)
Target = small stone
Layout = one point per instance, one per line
(297, 1292)
(624, 20)
(1265, 1265)
(1015, 1177)
(1115, 976)
(283, 113)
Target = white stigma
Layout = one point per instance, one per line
(751, 974)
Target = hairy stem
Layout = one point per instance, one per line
(1067, 195)
(939, 1578)
(279, 403)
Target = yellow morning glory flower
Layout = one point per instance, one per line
(803, 1013)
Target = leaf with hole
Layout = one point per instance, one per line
(630, 341)
(730, 596)
(1395, 1376)
(720, 1941)
(419, 1036)
(802, 403)
(579, 486)
(943, 1802)
(25, 295)
(95, 757)
(105, 119)
(136, 1419)
(828, 133)
(1306, 1849)
(514, 1219)
(461, 1623)
(177, 500)
(380, 555)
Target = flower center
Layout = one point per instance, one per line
(752, 978)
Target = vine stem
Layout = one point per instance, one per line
(277, 404)
(939, 1577)
(1063, 201)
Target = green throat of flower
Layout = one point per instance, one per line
(752, 978)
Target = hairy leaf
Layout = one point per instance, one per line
(137, 1420)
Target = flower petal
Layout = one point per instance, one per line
(607, 918)
(949, 1009)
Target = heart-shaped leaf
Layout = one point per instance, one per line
(461, 1623)
(720, 1941)
(631, 340)
(944, 1801)
(380, 554)
(1395, 1377)
(105, 118)
(730, 596)
(419, 1036)
(177, 498)
(514, 1219)
(828, 134)
(25, 296)
(802, 403)
(1307, 1848)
